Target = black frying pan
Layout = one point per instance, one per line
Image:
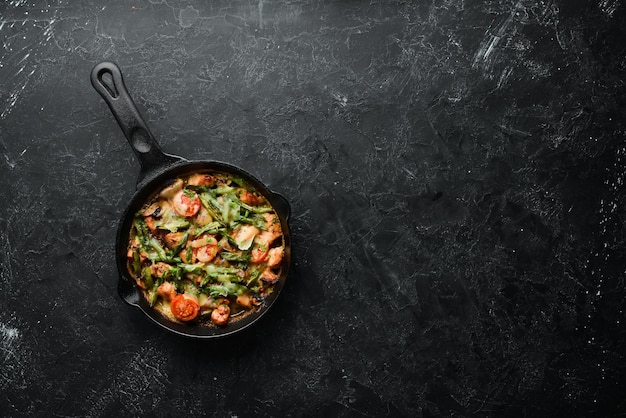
(157, 168)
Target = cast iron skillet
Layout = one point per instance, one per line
(157, 169)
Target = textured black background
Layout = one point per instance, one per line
(456, 174)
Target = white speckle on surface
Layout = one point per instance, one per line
(340, 99)
(6, 274)
(8, 335)
(13, 358)
(14, 95)
(410, 174)
(609, 7)
(504, 76)
(486, 55)
(188, 16)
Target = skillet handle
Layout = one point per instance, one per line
(151, 157)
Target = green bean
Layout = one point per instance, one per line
(147, 277)
(213, 207)
(156, 245)
(256, 209)
(228, 256)
(136, 263)
(182, 243)
(211, 228)
(142, 232)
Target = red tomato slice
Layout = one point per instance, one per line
(186, 203)
(184, 308)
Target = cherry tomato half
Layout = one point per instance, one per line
(184, 308)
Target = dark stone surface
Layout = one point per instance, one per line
(456, 174)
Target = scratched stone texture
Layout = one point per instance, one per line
(456, 177)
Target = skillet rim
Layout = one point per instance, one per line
(132, 295)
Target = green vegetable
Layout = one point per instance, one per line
(224, 233)
(256, 221)
(213, 207)
(226, 209)
(256, 209)
(191, 268)
(182, 243)
(136, 263)
(147, 277)
(217, 291)
(142, 232)
(174, 224)
(226, 289)
(245, 256)
(210, 228)
(224, 189)
(211, 268)
(156, 246)
(152, 297)
(199, 189)
(175, 273)
(241, 183)
(254, 275)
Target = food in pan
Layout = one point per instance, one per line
(206, 248)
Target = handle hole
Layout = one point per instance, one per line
(106, 79)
